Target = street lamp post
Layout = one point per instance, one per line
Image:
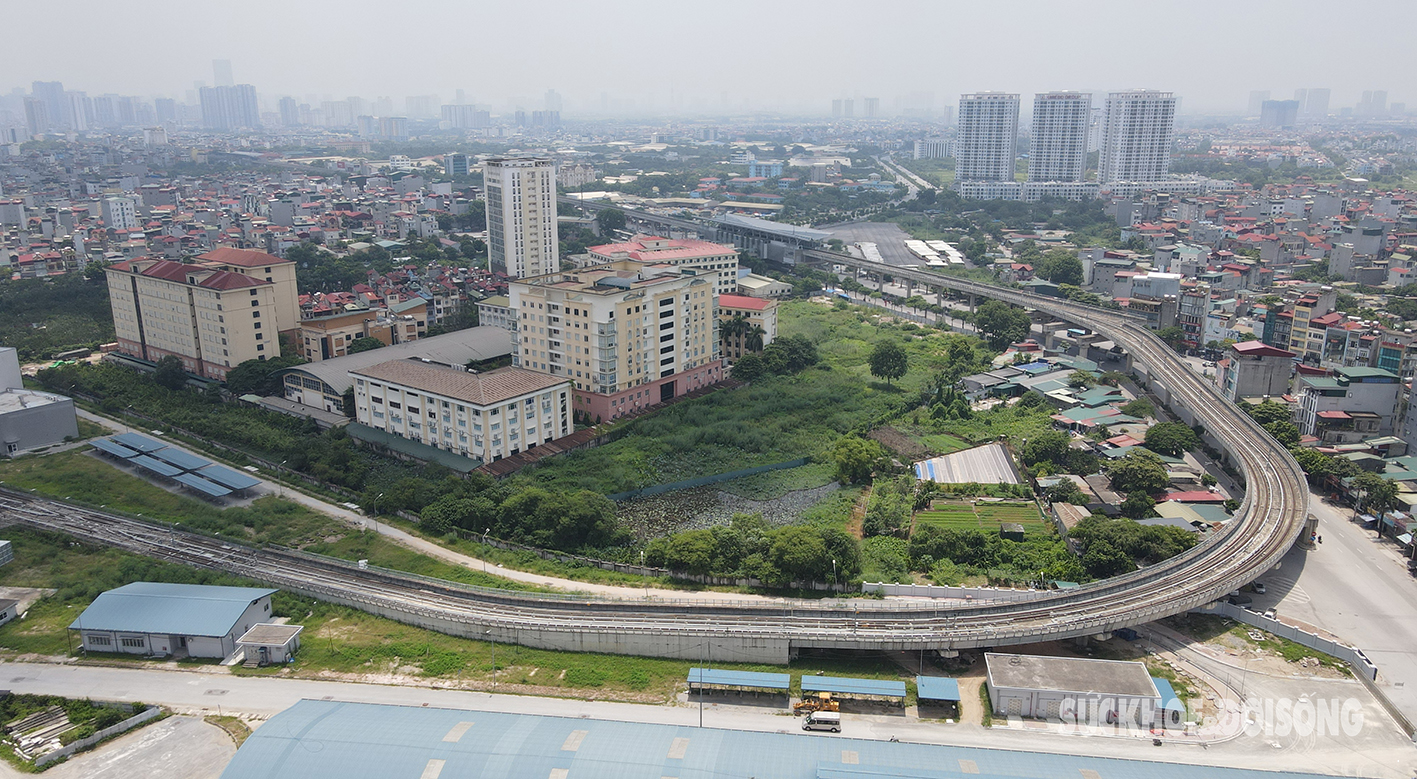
(833, 574)
(485, 531)
(376, 511)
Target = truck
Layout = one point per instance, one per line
(822, 702)
(823, 720)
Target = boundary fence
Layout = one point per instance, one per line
(84, 743)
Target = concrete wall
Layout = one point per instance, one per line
(10, 368)
(688, 646)
(28, 428)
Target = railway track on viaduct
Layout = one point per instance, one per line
(1266, 525)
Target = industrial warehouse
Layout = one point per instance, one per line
(315, 739)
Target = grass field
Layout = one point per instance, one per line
(345, 641)
(982, 516)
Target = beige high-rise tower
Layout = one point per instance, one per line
(521, 216)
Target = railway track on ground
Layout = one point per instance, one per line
(1269, 519)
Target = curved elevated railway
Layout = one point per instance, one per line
(1270, 518)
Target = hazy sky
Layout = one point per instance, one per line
(704, 56)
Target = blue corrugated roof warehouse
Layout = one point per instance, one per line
(317, 739)
(177, 609)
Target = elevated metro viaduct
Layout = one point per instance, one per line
(1270, 518)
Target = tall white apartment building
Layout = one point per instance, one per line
(521, 216)
(987, 130)
(629, 334)
(120, 213)
(1058, 148)
(1137, 130)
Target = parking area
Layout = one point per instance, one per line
(175, 748)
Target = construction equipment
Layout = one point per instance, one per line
(823, 702)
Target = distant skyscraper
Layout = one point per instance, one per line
(229, 108)
(421, 106)
(848, 108)
(1301, 96)
(870, 107)
(553, 100)
(56, 105)
(1316, 104)
(1257, 98)
(166, 109)
(393, 128)
(221, 71)
(521, 215)
(465, 117)
(987, 131)
(289, 112)
(836, 109)
(1279, 113)
(1137, 130)
(1058, 149)
(79, 111)
(36, 116)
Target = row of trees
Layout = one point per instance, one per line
(788, 354)
(748, 547)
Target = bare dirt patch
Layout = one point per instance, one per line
(899, 443)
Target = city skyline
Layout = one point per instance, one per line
(577, 54)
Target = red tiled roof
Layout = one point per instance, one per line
(246, 258)
(743, 301)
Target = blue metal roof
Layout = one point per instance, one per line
(157, 467)
(848, 686)
(936, 688)
(202, 485)
(140, 442)
(318, 739)
(179, 458)
(739, 678)
(175, 609)
(117, 450)
(226, 477)
(1169, 700)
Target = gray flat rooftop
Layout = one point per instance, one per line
(318, 739)
(455, 348)
(270, 634)
(1070, 674)
(12, 400)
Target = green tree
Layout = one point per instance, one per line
(1138, 470)
(1172, 336)
(692, 552)
(749, 367)
(889, 361)
(1001, 323)
(364, 344)
(609, 220)
(1376, 493)
(1137, 505)
(1081, 379)
(856, 458)
(1066, 491)
(169, 373)
(1140, 408)
(799, 553)
(1268, 411)
(1170, 438)
(1060, 267)
(1050, 446)
(1284, 432)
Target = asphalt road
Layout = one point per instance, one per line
(1357, 588)
(262, 697)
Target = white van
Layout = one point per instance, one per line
(823, 720)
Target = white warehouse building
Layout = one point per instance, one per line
(1095, 692)
(182, 620)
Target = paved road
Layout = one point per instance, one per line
(175, 748)
(1357, 588)
(262, 697)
